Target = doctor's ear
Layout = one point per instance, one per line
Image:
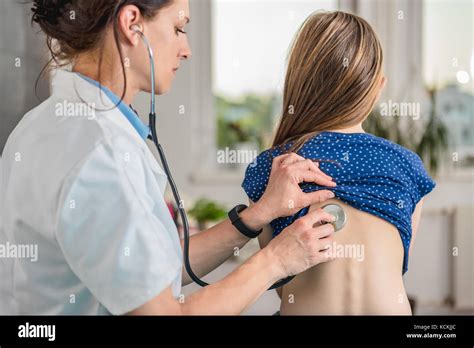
(128, 22)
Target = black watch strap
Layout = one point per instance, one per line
(238, 223)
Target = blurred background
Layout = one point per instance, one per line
(226, 101)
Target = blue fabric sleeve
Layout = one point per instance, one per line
(257, 175)
(424, 184)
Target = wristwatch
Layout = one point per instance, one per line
(238, 223)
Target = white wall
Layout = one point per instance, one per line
(22, 56)
(430, 277)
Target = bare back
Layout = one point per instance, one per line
(365, 277)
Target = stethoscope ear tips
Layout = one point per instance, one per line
(136, 29)
(338, 212)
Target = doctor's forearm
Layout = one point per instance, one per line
(210, 248)
(239, 290)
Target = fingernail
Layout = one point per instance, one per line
(330, 194)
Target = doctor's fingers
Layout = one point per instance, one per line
(310, 198)
(316, 217)
(305, 175)
(286, 159)
(294, 162)
(323, 232)
(298, 162)
(322, 246)
(311, 166)
(317, 240)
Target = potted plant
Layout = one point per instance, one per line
(206, 211)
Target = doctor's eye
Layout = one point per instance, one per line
(177, 30)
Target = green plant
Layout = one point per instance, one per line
(242, 134)
(430, 146)
(434, 142)
(248, 118)
(205, 210)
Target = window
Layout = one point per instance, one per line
(251, 41)
(448, 68)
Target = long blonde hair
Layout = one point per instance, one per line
(333, 77)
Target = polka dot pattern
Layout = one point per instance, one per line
(373, 175)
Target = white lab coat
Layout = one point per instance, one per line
(83, 187)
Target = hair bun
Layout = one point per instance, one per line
(48, 11)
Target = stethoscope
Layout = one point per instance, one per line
(334, 209)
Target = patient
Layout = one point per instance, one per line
(334, 78)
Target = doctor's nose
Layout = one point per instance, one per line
(186, 55)
(186, 52)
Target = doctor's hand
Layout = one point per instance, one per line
(283, 196)
(302, 245)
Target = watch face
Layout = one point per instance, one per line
(338, 212)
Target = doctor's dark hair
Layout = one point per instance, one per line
(76, 26)
(333, 77)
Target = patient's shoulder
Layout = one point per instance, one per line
(404, 153)
(258, 172)
(395, 163)
(406, 157)
(257, 175)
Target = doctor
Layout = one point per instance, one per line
(80, 183)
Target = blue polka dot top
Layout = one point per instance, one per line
(372, 174)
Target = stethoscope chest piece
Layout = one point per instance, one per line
(338, 212)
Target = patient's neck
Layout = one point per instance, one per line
(354, 129)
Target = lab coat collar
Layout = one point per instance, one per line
(71, 86)
(110, 101)
(127, 111)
